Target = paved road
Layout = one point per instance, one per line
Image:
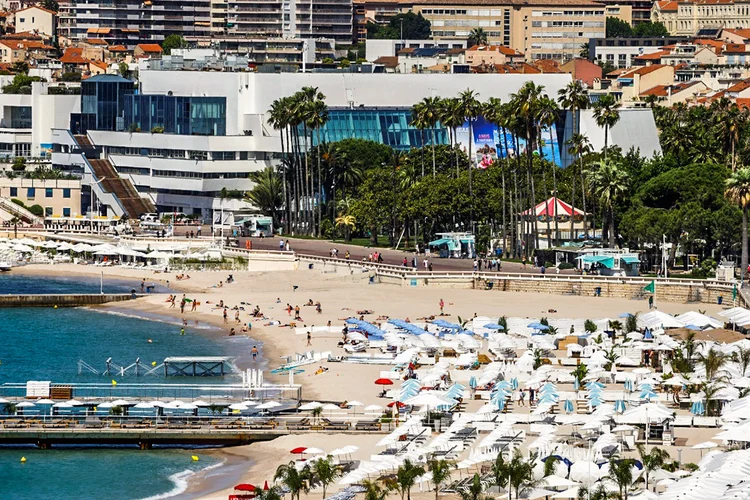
(394, 257)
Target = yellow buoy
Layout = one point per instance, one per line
(23, 460)
(153, 363)
(195, 458)
(55, 307)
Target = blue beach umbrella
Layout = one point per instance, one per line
(596, 384)
(647, 394)
(625, 315)
(568, 406)
(698, 408)
(594, 402)
(576, 384)
(538, 326)
(473, 382)
(500, 404)
(514, 383)
(494, 326)
(548, 398)
(620, 406)
(628, 385)
(647, 334)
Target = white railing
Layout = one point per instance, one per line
(19, 211)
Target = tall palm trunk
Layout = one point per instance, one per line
(583, 199)
(421, 149)
(505, 201)
(433, 154)
(573, 203)
(529, 150)
(455, 144)
(554, 208)
(300, 192)
(305, 183)
(744, 241)
(320, 186)
(283, 180)
(471, 186)
(606, 137)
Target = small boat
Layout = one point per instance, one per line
(4, 266)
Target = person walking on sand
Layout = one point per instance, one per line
(224, 314)
(194, 306)
(522, 398)
(442, 306)
(237, 317)
(254, 352)
(309, 338)
(182, 305)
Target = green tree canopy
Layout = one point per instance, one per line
(649, 29)
(618, 28)
(415, 27)
(173, 42)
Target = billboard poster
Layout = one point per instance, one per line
(490, 143)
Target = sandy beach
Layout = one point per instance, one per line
(341, 296)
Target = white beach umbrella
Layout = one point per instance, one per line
(706, 445)
(201, 403)
(75, 402)
(238, 406)
(313, 451)
(45, 402)
(105, 406)
(310, 406)
(25, 404)
(123, 402)
(373, 409)
(188, 406)
(268, 406)
(144, 405)
(354, 403)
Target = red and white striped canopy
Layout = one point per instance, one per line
(553, 207)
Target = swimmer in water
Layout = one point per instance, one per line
(182, 331)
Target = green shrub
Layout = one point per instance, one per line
(549, 264)
(589, 326)
(18, 202)
(566, 265)
(37, 210)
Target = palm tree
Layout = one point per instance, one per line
(580, 372)
(451, 116)
(471, 108)
(579, 146)
(14, 221)
(278, 119)
(374, 491)
(474, 491)
(521, 474)
(742, 357)
(418, 120)
(429, 115)
(651, 460)
(738, 192)
(713, 362)
(272, 493)
(609, 183)
(710, 390)
(477, 36)
(268, 192)
(591, 493)
(546, 116)
(574, 97)
(621, 473)
(440, 471)
(406, 477)
(348, 222)
(606, 114)
(325, 472)
(318, 118)
(296, 481)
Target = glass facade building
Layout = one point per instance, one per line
(391, 126)
(102, 97)
(181, 115)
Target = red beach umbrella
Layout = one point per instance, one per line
(298, 451)
(245, 487)
(384, 381)
(399, 403)
(265, 486)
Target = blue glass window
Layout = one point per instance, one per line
(66, 212)
(48, 193)
(66, 192)
(14, 191)
(30, 193)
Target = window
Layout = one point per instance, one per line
(66, 212)
(48, 211)
(48, 193)
(66, 192)
(14, 191)
(30, 193)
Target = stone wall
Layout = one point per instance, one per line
(61, 300)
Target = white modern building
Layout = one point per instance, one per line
(187, 140)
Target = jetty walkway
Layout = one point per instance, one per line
(191, 431)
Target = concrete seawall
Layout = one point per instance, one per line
(62, 300)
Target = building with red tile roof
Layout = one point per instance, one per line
(144, 50)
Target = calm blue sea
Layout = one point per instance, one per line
(11, 283)
(47, 343)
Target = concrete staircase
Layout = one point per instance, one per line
(132, 202)
(8, 210)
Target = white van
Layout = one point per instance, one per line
(150, 217)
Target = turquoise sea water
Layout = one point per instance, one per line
(46, 344)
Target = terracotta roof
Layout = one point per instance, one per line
(22, 35)
(494, 48)
(735, 48)
(96, 41)
(742, 103)
(617, 72)
(406, 50)
(644, 70)
(98, 31)
(149, 47)
(387, 61)
(667, 5)
(26, 44)
(547, 66)
(118, 48)
(738, 87)
(663, 90)
(455, 52)
(744, 33)
(100, 64)
(653, 56)
(443, 67)
(517, 68)
(73, 55)
(37, 7)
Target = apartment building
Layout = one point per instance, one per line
(687, 18)
(540, 29)
(284, 19)
(58, 197)
(130, 22)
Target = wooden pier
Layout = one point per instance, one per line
(196, 366)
